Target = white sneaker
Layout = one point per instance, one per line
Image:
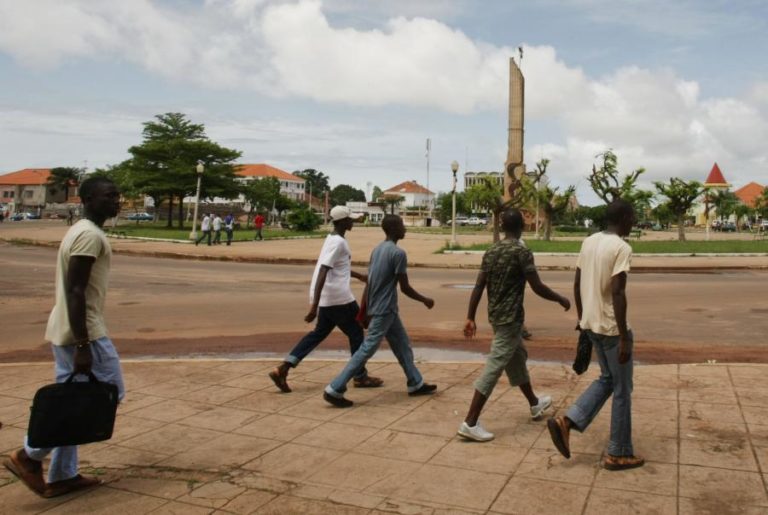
(476, 433)
(545, 402)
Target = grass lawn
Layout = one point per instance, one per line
(650, 247)
(150, 230)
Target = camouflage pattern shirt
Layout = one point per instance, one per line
(505, 265)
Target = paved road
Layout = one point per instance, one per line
(160, 306)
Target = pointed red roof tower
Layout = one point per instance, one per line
(715, 178)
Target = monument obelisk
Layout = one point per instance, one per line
(514, 165)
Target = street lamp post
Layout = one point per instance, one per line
(199, 169)
(454, 169)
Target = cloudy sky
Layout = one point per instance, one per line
(354, 87)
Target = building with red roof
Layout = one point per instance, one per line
(28, 189)
(715, 179)
(290, 185)
(749, 194)
(413, 193)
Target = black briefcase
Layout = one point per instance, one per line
(72, 413)
(583, 353)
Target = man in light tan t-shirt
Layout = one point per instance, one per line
(77, 332)
(601, 302)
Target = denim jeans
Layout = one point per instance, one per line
(386, 326)
(229, 236)
(508, 354)
(615, 379)
(217, 237)
(328, 318)
(106, 367)
(206, 234)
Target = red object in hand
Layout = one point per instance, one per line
(362, 314)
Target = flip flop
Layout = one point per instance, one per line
(32, 480)
(67, 486)
(368, 382)
(622, 462)
(559, 433)
(279, 381)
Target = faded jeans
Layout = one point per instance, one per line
(386, 326)
(615, 379)
(106, 368)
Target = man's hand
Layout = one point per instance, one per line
(430, 303)
(83, 359)
(362, 277)
(624, 352)
(564, 302)
(311, 315)
(578, 326)
(470, 328)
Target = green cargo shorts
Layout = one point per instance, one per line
(508, 354)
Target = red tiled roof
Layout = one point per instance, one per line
(408, 187)
(264, 170)
(749, 193)
(715, 177)
(26, 177)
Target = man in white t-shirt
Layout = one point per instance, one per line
(601, 301)
(77, 332)
(332, 303)
(216, 224)
(205, 229)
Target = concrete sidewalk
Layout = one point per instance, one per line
(214, 436)
(421, 250)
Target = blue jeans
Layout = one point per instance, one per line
(328, 318)
(106, 368)
(386, 326)
(615, 379)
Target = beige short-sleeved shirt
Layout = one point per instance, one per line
(602, 256)
(83, 239)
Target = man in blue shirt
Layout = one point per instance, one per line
(387, 269)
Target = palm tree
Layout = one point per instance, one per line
(62, 177)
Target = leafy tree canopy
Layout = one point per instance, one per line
(62, 177)
(344, 193)
(317, 181)
(681, 196)
(609, 185)
(376, 194)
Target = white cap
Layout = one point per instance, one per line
(340, 213)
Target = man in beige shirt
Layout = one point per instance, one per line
(601, 302)
(77, 332)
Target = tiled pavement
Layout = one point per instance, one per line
(207, 436)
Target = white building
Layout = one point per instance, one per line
(290, 185)
(374, 211)
(414, 195)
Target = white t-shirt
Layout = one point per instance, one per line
(206, 225)
(217, 223)
(83, 239)
(602, 256)
(336, 255)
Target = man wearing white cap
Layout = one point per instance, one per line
(332, 303)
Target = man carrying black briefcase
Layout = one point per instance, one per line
(78, 334)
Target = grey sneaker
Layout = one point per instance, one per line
(545, 401)
(476, 432)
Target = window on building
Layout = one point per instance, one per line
(28, 193)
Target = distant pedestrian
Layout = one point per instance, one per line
(388, 268)
(229, 227)
(332, 303)
(77, 332)
(217, 224)
(258, 223)
(505, 269)
(205, 229)
(70, 216)
(601, 302)
(2, 216)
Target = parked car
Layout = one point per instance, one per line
(474, 220)
(728, 227)
(645, 224)
(140, 216)
(31, 216)
(460, 220)
(16, 217)
(764, 225)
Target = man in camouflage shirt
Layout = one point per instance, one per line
(506, 267)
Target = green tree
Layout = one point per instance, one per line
(166, 160)
(302, 218)
(444, 210)
(317, 181)
(681, 196)
(344, 193)
(62, 177)
(608, 184)
(761, 204)
(742, 211)
(393, 201)
(546, 198)
(376, 194)
(260, 194)
(485, 195)
(724, 202)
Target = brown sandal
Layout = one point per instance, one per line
(279, 380)
(560, 433)
(622, 462)
(32, 478)
(67, 486)
(368, 382)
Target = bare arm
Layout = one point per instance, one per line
(470, 327)
(359, 276)
(618, 292)
(408, 291)
(544, 291)
(321, 276)
(75, 284)
(577, 295)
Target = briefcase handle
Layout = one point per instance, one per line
(91, 378)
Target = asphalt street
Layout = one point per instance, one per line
(160, 306)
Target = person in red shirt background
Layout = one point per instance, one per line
(258, 222)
